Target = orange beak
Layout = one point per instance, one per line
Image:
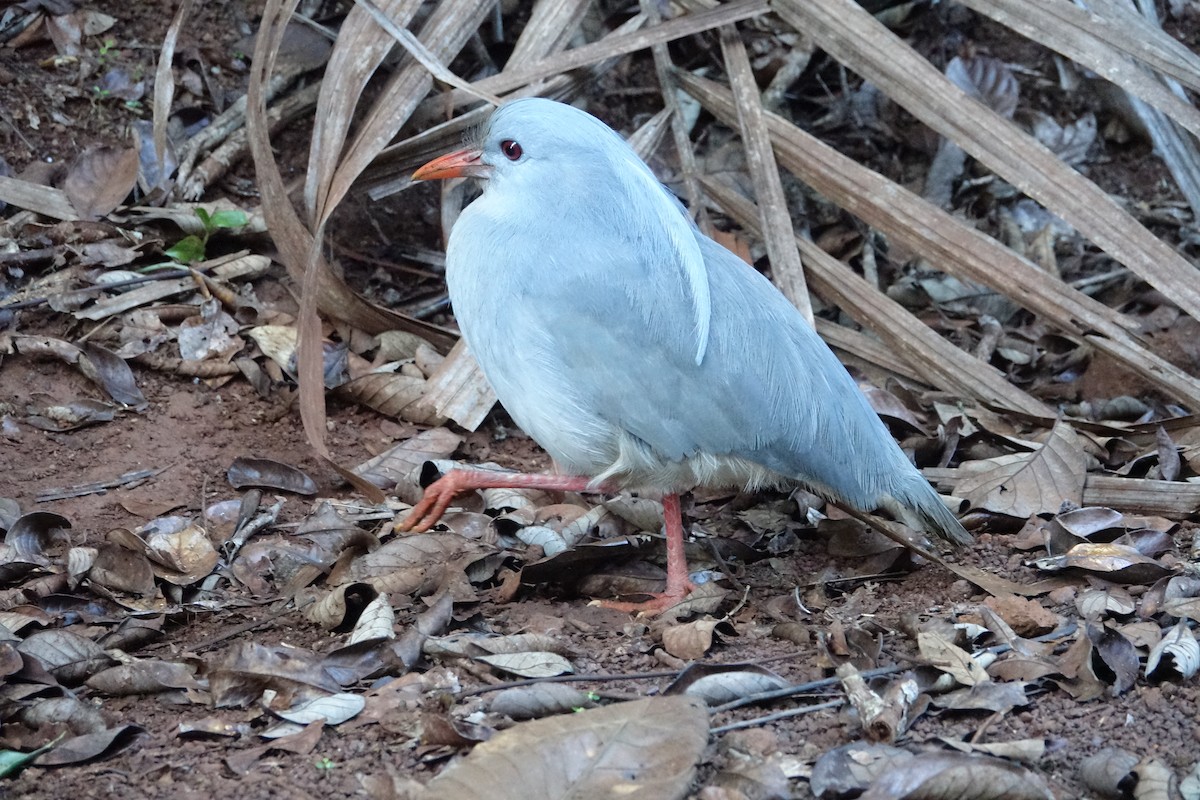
(459, 164)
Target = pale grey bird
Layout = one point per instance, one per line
(637, 351)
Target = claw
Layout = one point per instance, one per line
(658, 603)
(438, 497)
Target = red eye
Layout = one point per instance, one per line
(512, 151)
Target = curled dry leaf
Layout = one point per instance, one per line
(1096, 603)
(143, 677)
(399, 468)
(941, 653)
(77, 716)
(1109, 773)
(1084, 523)
(240, 676)
(539, 700)
(110, 372)
(333, 709)
(79, 749)
(717, 684)
(376, 622)
(79, 562)
(181, 557)
(263, 473)
(123, 570)
(444, 730)
(1114, 659)
(415, 564)
(32, 534)
(640, 750)
(340, 609)
(848, 770)
(1177, 655)
(47, 414)
(1115, 562)
(1155, 781)
(690, 640)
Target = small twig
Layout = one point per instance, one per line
(801, 688)
(637, 676)
(98, 487)
(245, 627)
(887, 530)
(791, 712)
(101, 287)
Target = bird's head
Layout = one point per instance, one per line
(535, 142)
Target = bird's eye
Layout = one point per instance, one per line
(512, 151)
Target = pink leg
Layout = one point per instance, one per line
(678, 584)
(440, 493)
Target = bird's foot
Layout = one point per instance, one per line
(657, 604)
(441, 493)
(438, 497)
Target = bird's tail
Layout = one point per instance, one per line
(920, 506)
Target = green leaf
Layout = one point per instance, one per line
(205, 218)
(187, 250)
(228, 219)
(13, 761)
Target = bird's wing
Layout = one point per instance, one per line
(667, 225)
(620, 332)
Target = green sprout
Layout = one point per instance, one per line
(191, 248)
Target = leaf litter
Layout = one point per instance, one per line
(1087, 600)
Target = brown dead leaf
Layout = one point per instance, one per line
(144, 677)
(184, 557)
(415, 564)
(79, 749)
(690, 640)
(67, 656)
(76, 716)
(240, 676)
(100, 178)
(640, 750)
(1114, 658)
(122, 570)
(400, 467)
(941, 653)
(265, 473)
(848, 770)
(945, 775)
(1031, 483)
(717, 684)
(539, 700)
(1114, 562)
(112, 374)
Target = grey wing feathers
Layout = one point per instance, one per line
(768, 390)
